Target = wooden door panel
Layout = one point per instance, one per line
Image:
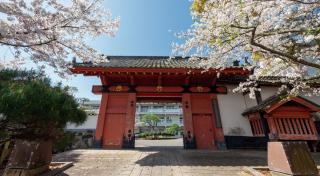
(203, 131)
(114, 130)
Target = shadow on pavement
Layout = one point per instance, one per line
(176, 156)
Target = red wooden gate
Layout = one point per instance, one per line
(203, 131)
(114, 130)
(126, 78)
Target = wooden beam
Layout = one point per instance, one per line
(83, 69)
(153, 95)
(160, 80)
(187, 80)
(98, 89)
(214, 81)
(155, 89)
(132, 80)
(104, 80)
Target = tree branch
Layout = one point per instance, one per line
(29, 45)
(286, 55)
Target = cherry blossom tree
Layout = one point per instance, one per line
(273, 37)
(48, 32)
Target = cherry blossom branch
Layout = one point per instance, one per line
(38, 29)
(28, 45)
(279, 38)
(286, 55)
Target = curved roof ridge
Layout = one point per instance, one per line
(146, 62)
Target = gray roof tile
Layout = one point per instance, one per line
(270, 101)
(144, 62)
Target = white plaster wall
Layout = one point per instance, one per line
(267, 92)
(249, 102)
(90, 123)
(231, 106)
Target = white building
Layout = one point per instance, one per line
(169, 113)
(91, 107)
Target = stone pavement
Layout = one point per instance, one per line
(161, 161)
(160, 143)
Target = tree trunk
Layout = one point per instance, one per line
(29, 158)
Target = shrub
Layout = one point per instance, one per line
(173, 129)
(33, 112)
(64, 142)
(32, 108)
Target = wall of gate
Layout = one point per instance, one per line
(117, 117)
(201, 130)
(116, 120)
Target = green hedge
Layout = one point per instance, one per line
(153, 134)
(64, 142)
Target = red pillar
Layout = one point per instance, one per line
(189, 142)
(101, 120)
(130, 121)
(187, 113)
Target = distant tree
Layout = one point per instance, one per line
(83, 100)
(151, 120)
(173, 129)
(33, 111)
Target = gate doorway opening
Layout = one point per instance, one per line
(158, 124)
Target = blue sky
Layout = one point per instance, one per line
(147, 27)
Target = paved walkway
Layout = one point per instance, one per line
(161, 161)
(160, 143)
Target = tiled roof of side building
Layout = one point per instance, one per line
(270, 101)
(264, 104)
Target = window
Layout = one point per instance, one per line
(158, 108)
(96, 106)
(181, 120)
(171, 107)
(144, 108)
(169, 120)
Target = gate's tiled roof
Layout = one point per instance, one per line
(176, 62)
(145, 62)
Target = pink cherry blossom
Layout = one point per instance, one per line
(48, 32)
(273, 37)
